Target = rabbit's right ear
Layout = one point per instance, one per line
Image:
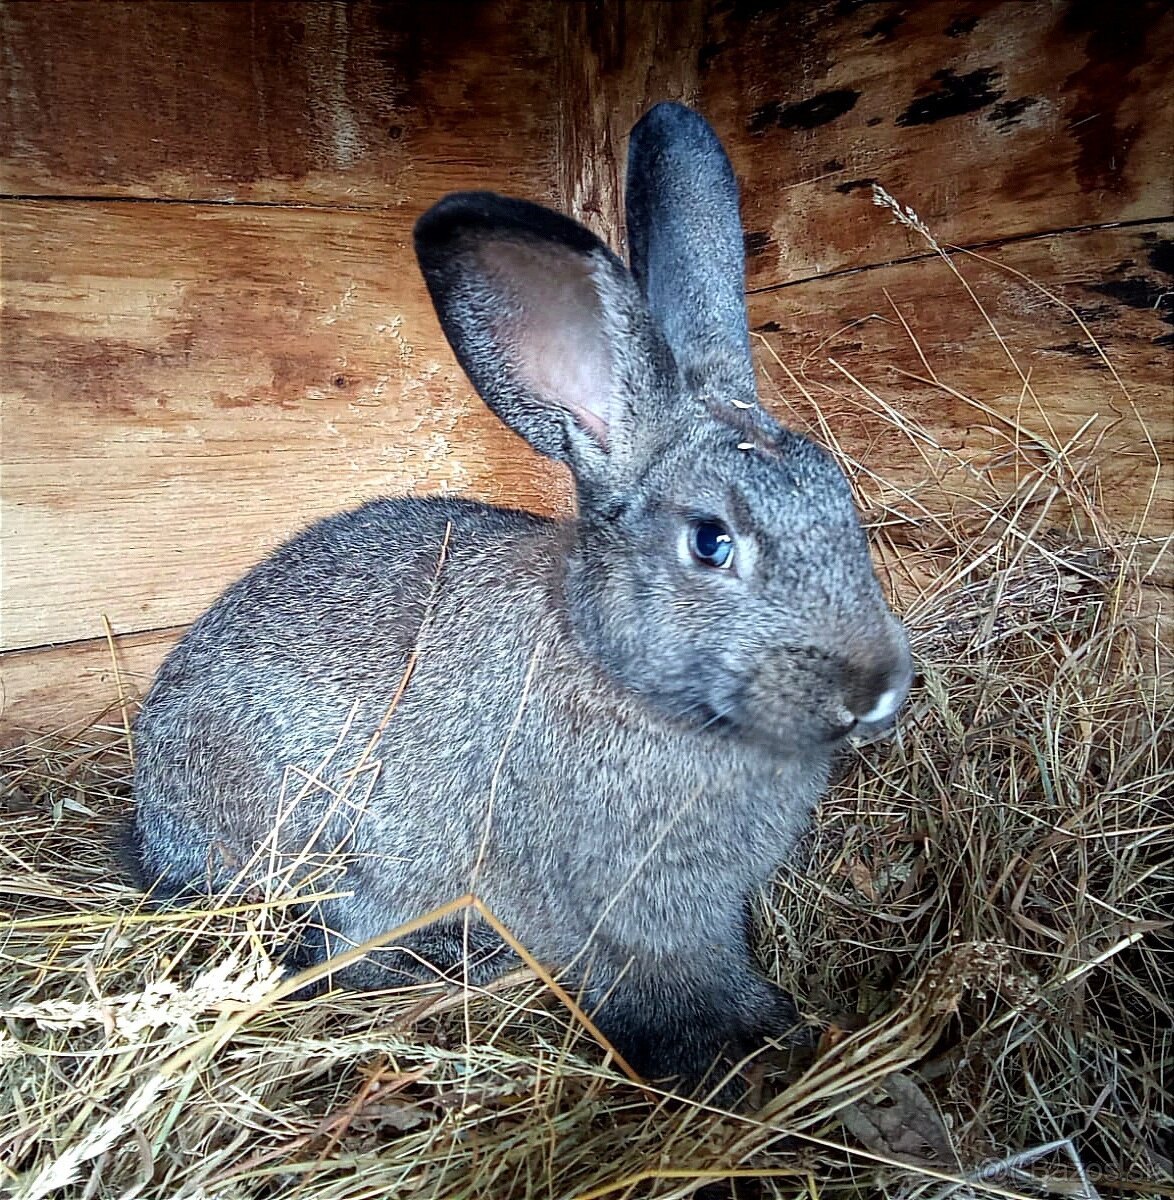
(550, 327)
(685, 238)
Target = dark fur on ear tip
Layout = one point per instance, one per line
(671, 122)
(486, 213)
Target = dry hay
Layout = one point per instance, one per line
(980, 927)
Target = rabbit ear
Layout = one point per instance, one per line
(547, 323)
(687, 254)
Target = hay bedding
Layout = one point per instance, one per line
(981, 928)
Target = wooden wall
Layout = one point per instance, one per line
(213, 330)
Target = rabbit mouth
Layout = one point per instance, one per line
(864, 733)
(813, 733)
(735, 716)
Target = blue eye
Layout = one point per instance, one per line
(711, 544)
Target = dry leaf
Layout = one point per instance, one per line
(898, 1120)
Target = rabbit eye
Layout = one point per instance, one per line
(711, 544)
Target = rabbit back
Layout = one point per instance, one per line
(277, 690)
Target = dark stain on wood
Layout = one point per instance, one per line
(1008, 113)
(961, 26)
(1144, 292)
(739, 10)
(756, 242)
(854, 185)
(884, 29)
(707, 54)
(1019, 179)
(1161, 257)
(805, 114)
(1114, 48)
(954, 96)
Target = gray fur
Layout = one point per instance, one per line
(685, 240)
(612, 745)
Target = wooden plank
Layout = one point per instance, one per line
(617, 60)
(64, 689)
(991, 119)
(388, 103)
(1001, 119)
(187, 386)
(1023, 398)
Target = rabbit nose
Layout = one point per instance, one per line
(886, 704)
(885, 694)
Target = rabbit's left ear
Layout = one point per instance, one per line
(552, 330)
(685, 236)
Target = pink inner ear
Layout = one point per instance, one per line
(552, 329)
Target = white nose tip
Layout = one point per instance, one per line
(886, 704)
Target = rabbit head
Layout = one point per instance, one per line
(716, 566)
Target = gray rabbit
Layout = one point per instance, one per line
(613, 727)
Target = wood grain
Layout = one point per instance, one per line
(990, 119)
(956, 386)
(617, 60)
(389, 103)
(968, 411)
(185, 387)
(214, 331)
(65, 689)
